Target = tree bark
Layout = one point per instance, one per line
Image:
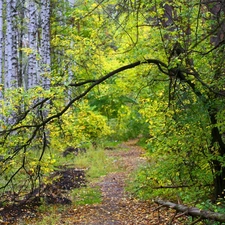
(1, 50)
(219, 169)
(21, 33)
(45, 44)
(192, 211)
(15, 72)
(32, 61)
(11, 63)
(8, 46)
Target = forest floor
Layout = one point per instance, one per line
(118, 207)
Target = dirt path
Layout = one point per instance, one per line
(117, 207)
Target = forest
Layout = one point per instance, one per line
(79, 75)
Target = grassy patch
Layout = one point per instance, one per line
(49, 220)
(49, 215)
(86, 195)
(108, 143)
(97, 162)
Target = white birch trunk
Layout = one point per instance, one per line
(45, 44)
(10, 78)
(1, 49)
(32, 33)
(21, 32)
(15, 36)
(1, 58)
(8, 46)
(72, 2)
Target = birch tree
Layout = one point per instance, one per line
(9, 78)
(15, 38)
(32, 38)
(1, 49)
(45, 43)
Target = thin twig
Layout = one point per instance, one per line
(171, 220)
(161, 206)
(194, 222)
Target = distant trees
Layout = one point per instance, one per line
(25, 66)
(25, 44)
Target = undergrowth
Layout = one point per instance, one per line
(98, 164)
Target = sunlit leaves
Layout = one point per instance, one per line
(79, 125)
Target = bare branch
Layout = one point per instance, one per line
(82, 83)
(192, 211)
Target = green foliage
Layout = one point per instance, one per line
(163, 179)
(89, 41)
(177, 152)
(217, 206)
(79, 125)
(23, 156)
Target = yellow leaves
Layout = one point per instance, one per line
(79, 126)
(160, 11)
(3, 126)
(161, 93)
(56, 40)
(27, 51)
(152, 13)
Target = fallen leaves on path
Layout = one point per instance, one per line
(118, 207)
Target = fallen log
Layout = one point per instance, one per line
(192, 211)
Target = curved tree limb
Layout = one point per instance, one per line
(192, 211)
(161, 65)
(37, 126)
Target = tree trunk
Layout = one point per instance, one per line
(219, 169)
(32, 62)
(15, 72)
(45, 44)
(1, 50)
(11, 63)
(21, 34)
(219, 179)
(8, 46)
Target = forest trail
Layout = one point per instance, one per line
(117, 206)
